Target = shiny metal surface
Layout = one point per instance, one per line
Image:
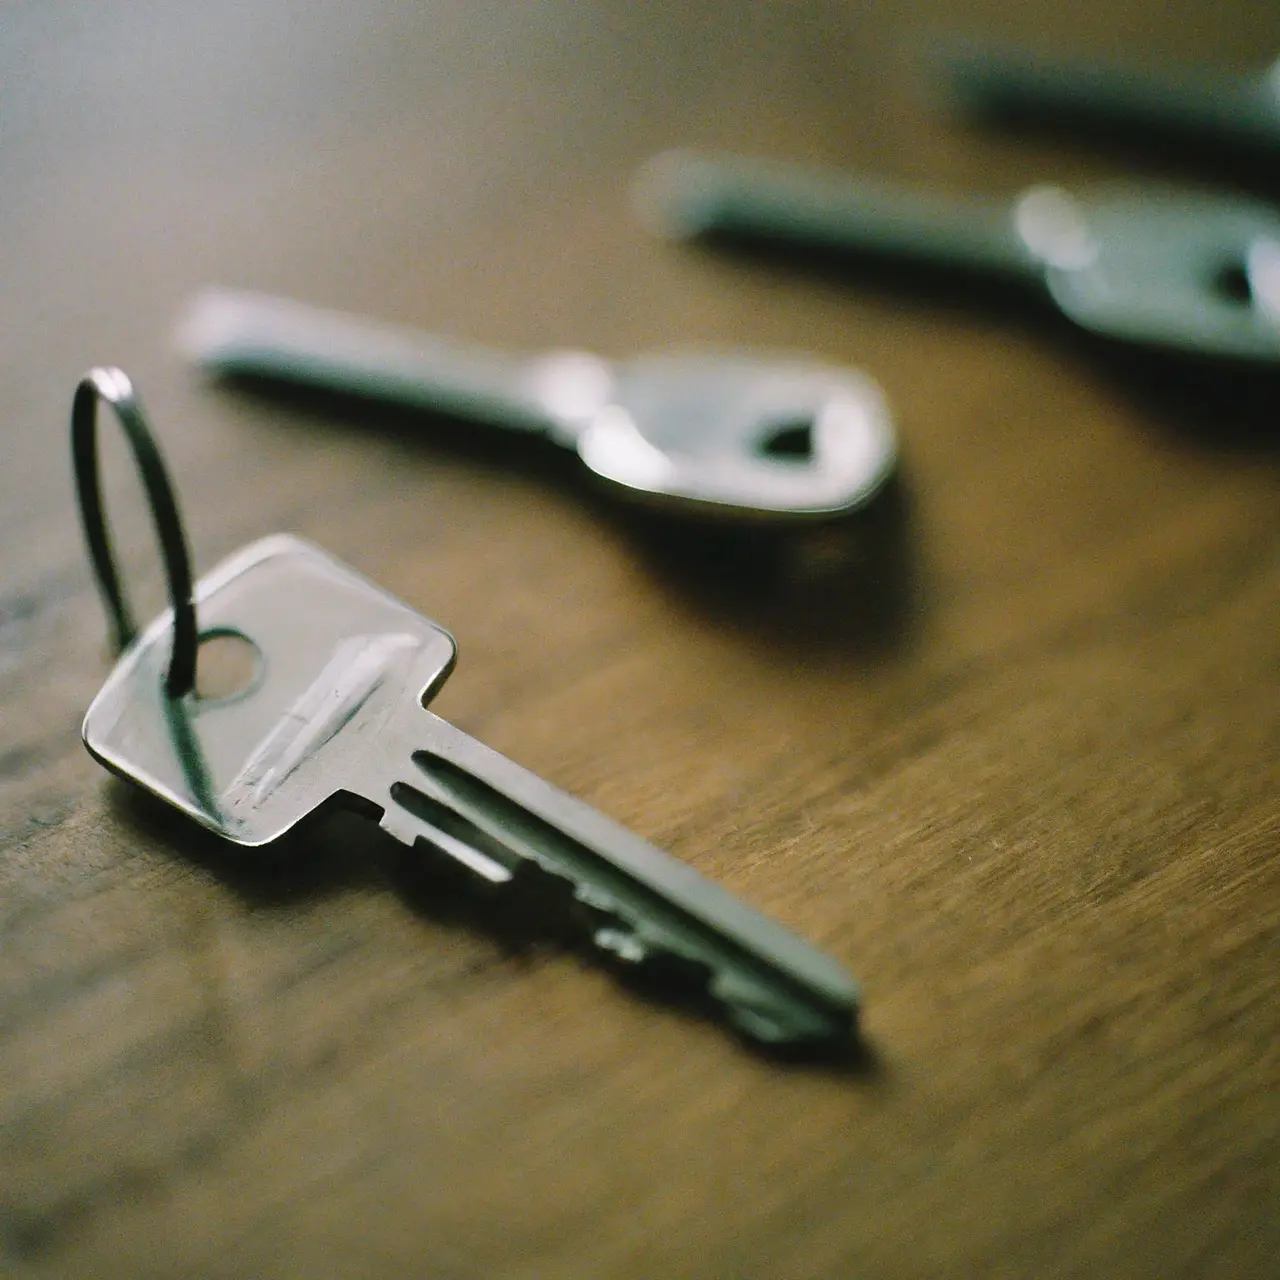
(1196, 105)
(691, 430)
(1150, 265)
(336, 716)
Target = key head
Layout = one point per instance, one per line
(748, 437)
(337, 657)
(1168, 268)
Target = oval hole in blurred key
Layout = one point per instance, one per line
(1232, 282)
(791, 441)
(228, 664)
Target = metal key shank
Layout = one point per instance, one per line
(1139, 264)
(639, 903)
(689, 431)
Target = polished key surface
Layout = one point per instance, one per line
(1152, 265)
(335, 716)
(692, 431)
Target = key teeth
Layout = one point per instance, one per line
(744, 1005)
(645, 949)
(755, 1013)
(400, 825)
(622, 945)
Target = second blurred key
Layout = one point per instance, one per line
(742, 436)
(1162, 267)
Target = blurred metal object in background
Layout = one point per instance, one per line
(1163, 267)
(741, 435)
(1198, 107)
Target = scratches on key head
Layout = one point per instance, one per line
(360, 665)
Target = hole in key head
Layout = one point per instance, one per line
(228, 664)
(1232, 282)
(791, 441)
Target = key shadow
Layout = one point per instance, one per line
(1156, 153)
(307, 865)
(1203, 405)
(318, 412)
(337, 851)
(953, 286)
(847, 584)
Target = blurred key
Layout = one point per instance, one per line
(1196, 106)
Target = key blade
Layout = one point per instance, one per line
(232, 334)
(1199, 106)
(644, 908)
(686, 195)
(1150, 265)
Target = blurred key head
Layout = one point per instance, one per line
(1168, 268)
(760, 438)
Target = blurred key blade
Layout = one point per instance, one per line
(645, 908)
(1194, 106)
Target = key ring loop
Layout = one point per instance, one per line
(113, 386)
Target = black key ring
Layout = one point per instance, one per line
(113, 386)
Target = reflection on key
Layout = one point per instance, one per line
(337, 716)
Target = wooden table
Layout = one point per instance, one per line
(1016, 767)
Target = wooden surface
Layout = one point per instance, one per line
(1016, 768)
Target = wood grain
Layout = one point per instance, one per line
(1013, 761)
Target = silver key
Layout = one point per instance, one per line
(336, 716)
(1206, 108)
(1163, 267)
(691, 431)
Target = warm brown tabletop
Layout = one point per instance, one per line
(1017, 770)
